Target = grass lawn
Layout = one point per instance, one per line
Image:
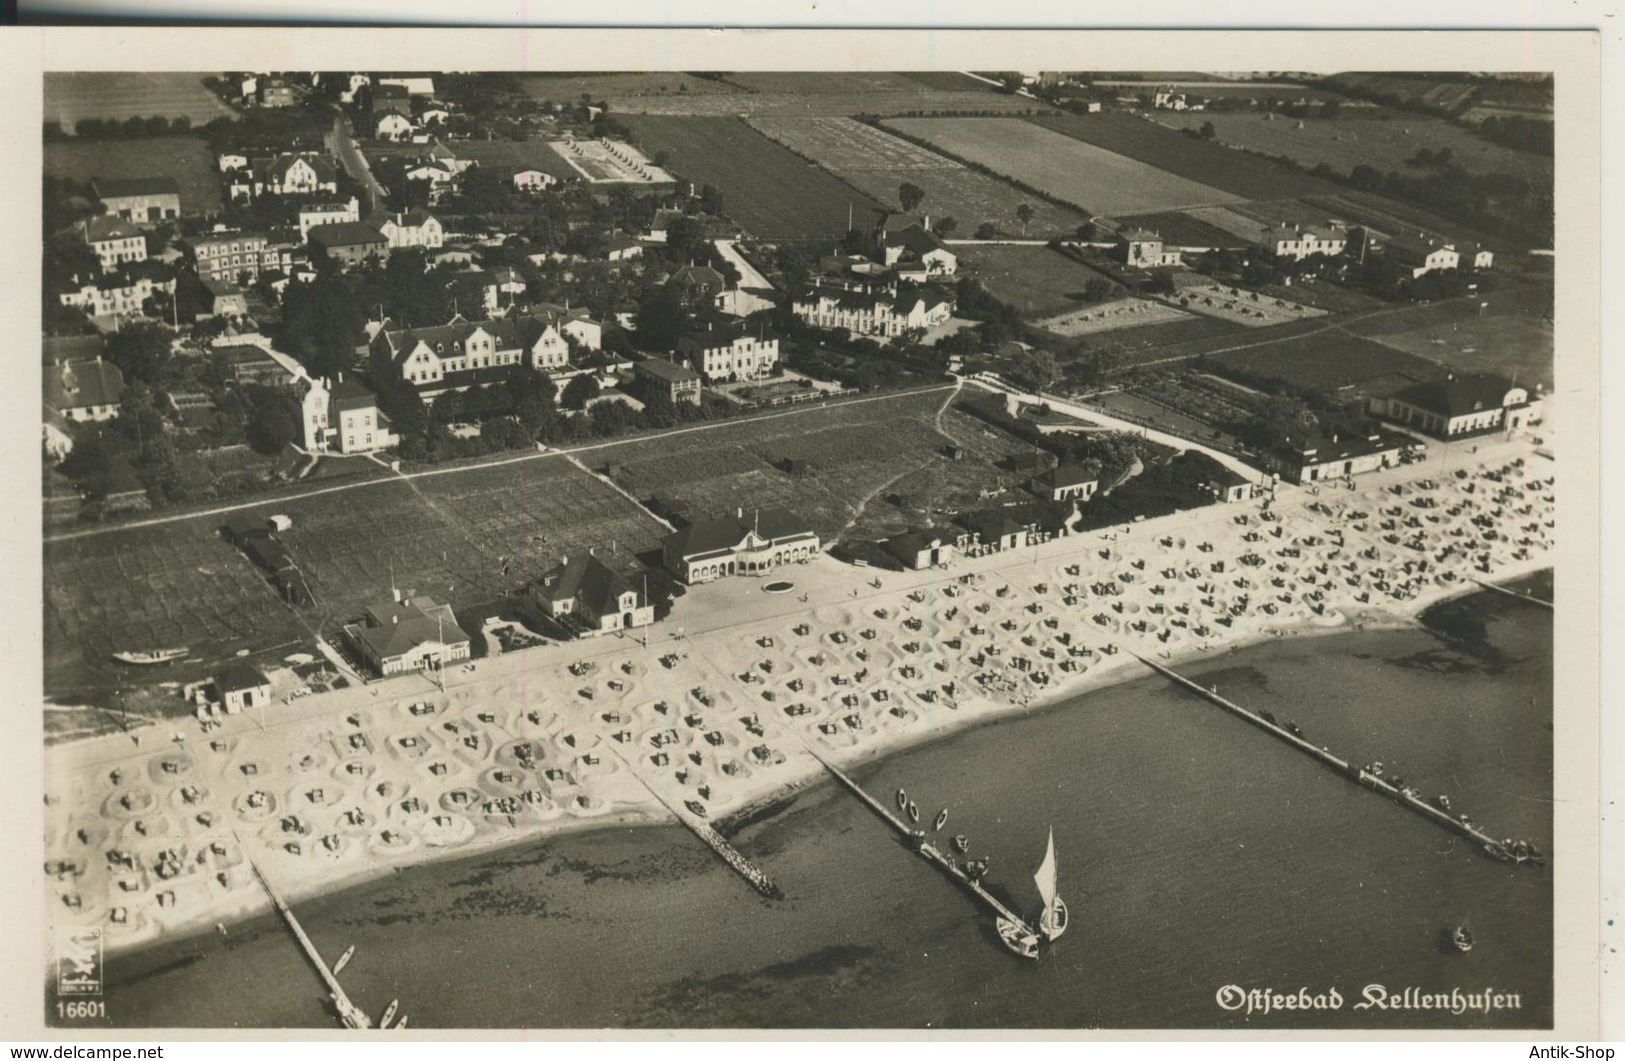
(1335, 362)
(1036, 280)
(1514, 347)
(186, 158)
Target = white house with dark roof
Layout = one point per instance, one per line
(144, 200)
(392, 125)
(414, 633)
(409, 228)
(735, 351)
(84, 390)
(292, 173)
(1143, 249)
(745, 543)
(905, 239)
(1069, 482)
(341, 416)
(115, 241)
(1460, 405)
(312, 215)
(1300, 241)
(463, 354)
(866, 309)
(585, 594)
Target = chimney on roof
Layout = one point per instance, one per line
(739, 513)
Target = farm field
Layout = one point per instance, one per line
(1383, 141)
(853, 449)
(1332, 361)
(1111, 316)
(1154, 342)
(787, 94)
(944, 80)
(876, 163)
(1142, 411)
(186, 158)
(465, 537)
(1515, 347)
(1098, 180)
(1210, 164)
(72, 96)
(765, 188)
(1433, 91)
(1330, 297)
(1036, 280)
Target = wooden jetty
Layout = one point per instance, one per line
(1502, 850)
(349, 1013)
(927, 850)
(1526, 597)
(713, 839)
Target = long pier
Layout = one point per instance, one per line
(1525, 597)
(1497, 849)
(712, 839)
(351, 1014)
(926, 849)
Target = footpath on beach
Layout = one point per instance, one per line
(714, 710)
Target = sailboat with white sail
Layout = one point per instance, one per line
(1017, 934)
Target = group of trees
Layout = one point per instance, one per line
(114, 129)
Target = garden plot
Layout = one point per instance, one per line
(1111, 316)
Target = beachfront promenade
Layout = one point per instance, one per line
(336, 788)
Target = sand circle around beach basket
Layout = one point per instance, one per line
(257, 806)
(446, 830)
(461, 799)
(128, 803)
(167, 768)
(354, 770)
(778, 586)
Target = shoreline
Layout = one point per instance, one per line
(705, 674)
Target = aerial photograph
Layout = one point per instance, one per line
(916, 550)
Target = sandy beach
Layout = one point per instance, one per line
(713, 715)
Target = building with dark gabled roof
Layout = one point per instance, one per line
(241, 686)
(115, 241)
(678, 383)
(1320, 455)
(745, 543)
(991, 530)
(1460, 405)
(1069, 482)
(733, 351)
(917, 550)
(84, 390)
(588, 596)
(408, 634)
(144, 200)
(461, 353)
(350, 242)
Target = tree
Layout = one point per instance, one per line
(579, 391)
(272, 426)
(1024, 213)
(946, 227)
(910, 196)
(139, 351)
(662, 318)
(1207, 131)
(1330, 108)
(987, 230)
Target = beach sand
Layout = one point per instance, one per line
(714, 715)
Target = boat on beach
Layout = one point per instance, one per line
(1462, 939)
(151, 656)
(344, 959)
(942, 819)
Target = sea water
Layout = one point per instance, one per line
(1201, 859)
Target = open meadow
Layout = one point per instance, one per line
(186, 158)
(766, 188)
(1384, 140)
(1332, 361)
(857, 452)
(1519, 348)
(515, 155)
(877, 163)
(130, 94)
(1038, 281)
(1183, 156)
(1093, 178)
(785, 94)
(467, 537)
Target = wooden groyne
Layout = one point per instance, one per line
(926, 849)
(1502, 850)
(1515, 595)
(348, 1011)
(727, 852)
